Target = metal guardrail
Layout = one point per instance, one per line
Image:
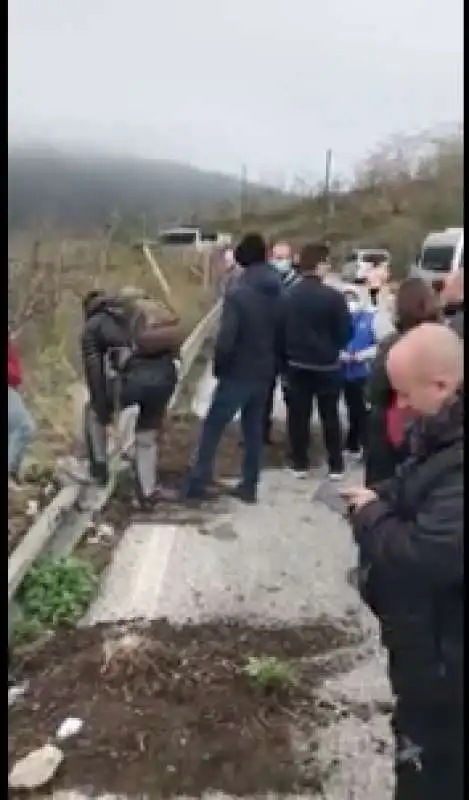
(63, 522)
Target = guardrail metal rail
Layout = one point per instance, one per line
(62, 524)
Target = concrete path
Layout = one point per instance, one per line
(283, 560)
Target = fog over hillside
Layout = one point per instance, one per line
(79, 190)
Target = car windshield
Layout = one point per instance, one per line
(178, 237)
(437, 259)
(375, 257)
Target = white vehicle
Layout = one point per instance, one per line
(358, 262)
(442, 253)
(197, 238)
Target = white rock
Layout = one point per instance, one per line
(17, 691)
(37, 768)
(69, 727)
(105, 531)
(32, 508)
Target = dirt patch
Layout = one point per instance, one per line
(168, 710)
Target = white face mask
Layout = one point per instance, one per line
(282, 264)
(353, 305)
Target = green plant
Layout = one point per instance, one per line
(57, 592)
(269, 672)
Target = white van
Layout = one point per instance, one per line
(197, 238)
(442, 252)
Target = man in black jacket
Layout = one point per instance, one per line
(129, 348)
(317, 326)
(244, 364)
(410, 533)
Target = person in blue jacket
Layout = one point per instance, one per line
(356, 361)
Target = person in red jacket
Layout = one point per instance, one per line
(21, 425)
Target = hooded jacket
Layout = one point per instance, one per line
(108, 348)
(246, 345)
(317, 325)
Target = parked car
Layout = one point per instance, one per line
(194, 237)
(442, 253)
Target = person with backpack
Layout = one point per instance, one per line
(356, 361)
(130, 347)
(416, 302)
(21, 425)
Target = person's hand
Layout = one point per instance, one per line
(357, 497)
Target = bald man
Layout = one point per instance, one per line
(410, 538)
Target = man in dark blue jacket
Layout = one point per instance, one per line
(317, 327)
(245, 362)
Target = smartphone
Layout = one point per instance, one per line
(329, 494)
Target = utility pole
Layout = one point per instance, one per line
(327, 188)
(243, 195)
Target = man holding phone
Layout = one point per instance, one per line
(410, 538)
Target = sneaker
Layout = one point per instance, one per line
(300, 474)
(355, 455)
(196, 494)
(334, 475)
(160, 495)
(240, 492)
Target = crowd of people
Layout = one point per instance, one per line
(282, 322)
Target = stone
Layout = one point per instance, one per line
(37, 768)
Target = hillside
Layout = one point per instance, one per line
(80, 191)
(401, 192)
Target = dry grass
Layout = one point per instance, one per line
(45, 291)
(408, 187)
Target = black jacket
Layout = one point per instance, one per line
(106, 341)
(454, 314)
(317, 325)
(411, 553)
(246, 346)
(381, 458)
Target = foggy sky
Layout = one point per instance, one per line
(220, 83)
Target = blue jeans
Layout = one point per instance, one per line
(229, 397)
(21, 428)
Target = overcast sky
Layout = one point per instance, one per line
(268, 83)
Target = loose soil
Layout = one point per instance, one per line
(168, 710)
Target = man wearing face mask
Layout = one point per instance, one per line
(282, 262)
